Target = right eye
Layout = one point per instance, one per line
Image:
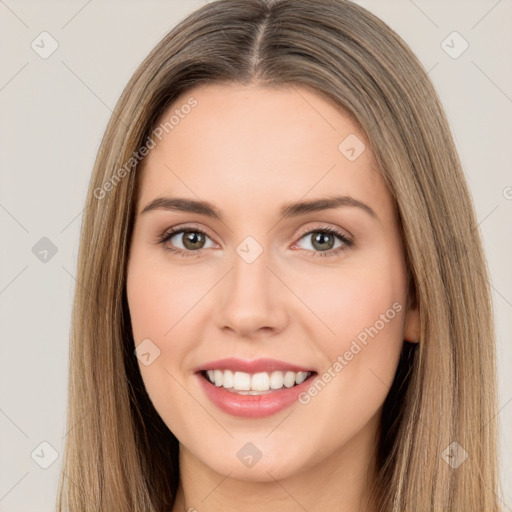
(191, 239)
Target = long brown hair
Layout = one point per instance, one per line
(119, 454)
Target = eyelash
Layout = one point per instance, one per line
(347, 242)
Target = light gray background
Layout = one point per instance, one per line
(53, 114)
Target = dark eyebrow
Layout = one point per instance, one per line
(303, 207)
(183, 205)
(294, 209)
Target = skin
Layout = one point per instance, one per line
(248, 150)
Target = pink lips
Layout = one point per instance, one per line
(252, 406)
(258, 365)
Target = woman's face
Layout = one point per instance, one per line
(252, 275)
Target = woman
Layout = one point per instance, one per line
(285, 305)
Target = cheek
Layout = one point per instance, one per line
(161, 303)
(364, 311)
(159, 298)
(351, 302)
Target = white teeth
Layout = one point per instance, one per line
(260, 382)
(289, 379)
(227, 379)
(242, 381)
(276, 380)
(218, 378)
(301, 377)
(247, 383)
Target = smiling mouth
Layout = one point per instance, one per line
(261, 383)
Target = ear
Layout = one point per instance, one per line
(412, 325)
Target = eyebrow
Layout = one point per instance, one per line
(294, 209)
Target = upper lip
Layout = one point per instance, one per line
(254, 366)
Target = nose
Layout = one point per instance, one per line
(251, 300)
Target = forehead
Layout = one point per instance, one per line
(256, 144)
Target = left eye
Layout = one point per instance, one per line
(323, 240)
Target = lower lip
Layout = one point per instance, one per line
(253, 406)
